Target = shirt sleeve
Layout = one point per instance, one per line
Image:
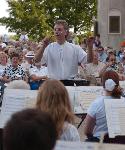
(82, 55)
(70, 133)
(44, 59)
(31, 72)
(73, 133)
(92, 110)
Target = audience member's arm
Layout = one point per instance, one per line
(85, 72)
(104, 68)
(36, 78)
(39, 54)
(6, 79)
(26, 79)
(89, 125)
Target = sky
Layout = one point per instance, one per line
(3, 13)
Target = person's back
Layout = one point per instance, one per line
(69, 133)
(53, 98)
(29, 129)
(95, 121)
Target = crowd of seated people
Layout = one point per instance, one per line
(103, 59)
(17, 63)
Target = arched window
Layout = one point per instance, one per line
(114, 21)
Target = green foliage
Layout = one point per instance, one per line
(78, 13)
(14, 37)
(36, 17)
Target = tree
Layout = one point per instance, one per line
(37, 17)
(26, 15)
(78, 13)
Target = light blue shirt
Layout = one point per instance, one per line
(97, 111)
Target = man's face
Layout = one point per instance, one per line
(59, 32)
(100, 50)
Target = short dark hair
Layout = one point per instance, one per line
(30, 129)
(14, 55)
(101, 47)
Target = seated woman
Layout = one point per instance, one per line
(14, 71)
(91, 71)
(95, 121)
(54, 99)
(111, 64)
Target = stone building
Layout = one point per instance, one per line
(111, 22)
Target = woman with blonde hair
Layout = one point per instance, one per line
(54, 99)
(3, 58)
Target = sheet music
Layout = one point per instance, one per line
(73, 95)
(64, 145)
(115, 115)
(82, 96)
(87, 94)
(122, 84)
(71, 92)
(67, 145)
(16, 100)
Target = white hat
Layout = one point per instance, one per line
(30, 54)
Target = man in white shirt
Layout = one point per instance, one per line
(38, 72)
(61, 57)
(37, 75)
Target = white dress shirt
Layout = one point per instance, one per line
(62, 60)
